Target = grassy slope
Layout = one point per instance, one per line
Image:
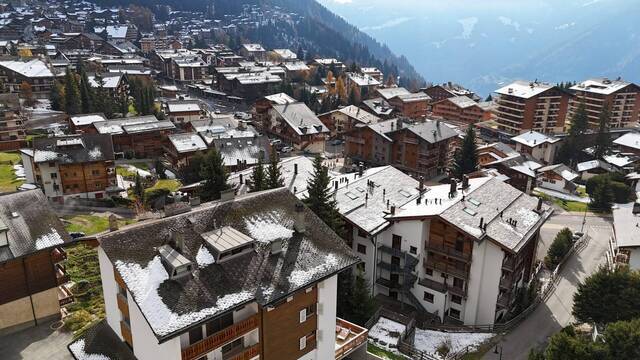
(91, 224)
(8, 180)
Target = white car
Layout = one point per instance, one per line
(286, 149)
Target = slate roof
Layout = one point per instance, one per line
(171, 307)
(32, 224)
(78, 149)
(301, 119)
(100, 342)
(241, 150)
(431, 131)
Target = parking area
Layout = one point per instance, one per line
(40, 342)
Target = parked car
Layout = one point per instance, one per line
(286, 149)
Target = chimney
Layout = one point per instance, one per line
(227, 195)
(295, 169)
(335, 185)
(393, 209)
(360, 170)
(240, 179)
(178, 240)
(419, 200)
(453, 188)
(481, 222)
(465, 181)
(539, 207)
(113, 223)
(299, 222)
(421, 186)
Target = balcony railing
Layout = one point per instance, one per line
(460, 272)
(355, 337)
(61, 275)
(388, 283)
(409, 260)
(448, 251)
(216, 340)
(247, 353)
(434, 285)
(58, 255)
(65, 296)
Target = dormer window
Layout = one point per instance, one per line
(176, 264)
(226, 243)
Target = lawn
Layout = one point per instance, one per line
(385, 354)
(92, 224)
(572, 205)
(171, 185)
(8, 180)
(83, 268)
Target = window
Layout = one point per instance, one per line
(413, 250)
(307, 312)
(54, 175)
(220, 323)
(95, 172)
(396, 241)
(232, 346)
(429, 271)
(195, 335)
(362, 249)
(428, 297)
(303, 342)
(454, 313)
(459, 283)
(459, 245)
(456, 299)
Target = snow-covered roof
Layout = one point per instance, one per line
(601, 86)
(253, 47)
(626, 225)
(630, 140)
(363, 79)
(113, 31)
(109, 81)
(173, 307)
(593, 164)
(285, 54)
(280, 98)
(300, 119)
(80, 120)
(35, 68)
(177, 107)
(524, 89)
(73, 149)
(187, 142)
(296, 66)
(563, 170)
(533, 138)
(462, 102)
(358, 114)
(390, 93)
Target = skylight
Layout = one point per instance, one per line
(404, 193)
(470, 211)
(351, 195)
(474, 202)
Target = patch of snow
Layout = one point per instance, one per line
(49, 240)
(204, 257)
(429, 340)
(95, 153)
(77, 348)
(144, 283)
(302, 277)
(143, 173)
(268, 227)
(387, 332)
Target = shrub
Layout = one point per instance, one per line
(559, 248)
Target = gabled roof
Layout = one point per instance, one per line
(31, 224)
(172, 307)
(246, 150)
(301, 119)
(175, 107)
(432, 131)
(533, 138)
(563, 170)
(73, 149)
(630, 140)
(524, 89)
(358, 114)
(462, 102)
(32, 69)
(390, 93)
(280, 98)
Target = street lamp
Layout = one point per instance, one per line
(495, 351)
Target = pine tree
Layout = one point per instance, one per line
(603, 196)
(274, 173)
(603, 139)
(86, 93)
(214, 175)
(362, 304)
(160, 169)
(56, 97)
(579, 121)
(319, 198)
(466, 157)
(72, 94)
(571, 145)
(258, 181)
(489, 98)
(138, 189)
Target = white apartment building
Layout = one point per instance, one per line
(540, 146)
(253, 277)
(621, 97)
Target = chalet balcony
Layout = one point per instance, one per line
(220, 338)
(243, 353)
(457, 271)
(449, 252)
(409, 260)
(505, 282)
(61, 275)
(58, 255)
(65, 296)
(349, 337)
(503, 301)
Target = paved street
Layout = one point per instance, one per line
(36, 343)
(555, 314)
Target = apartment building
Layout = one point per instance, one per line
(11, 118)
(421, 149)
(620, 96)
(74, 166)
(523, 106)
(298, 125)
(447, 90)
(140, 136)
(32, 274)
(231, 279)
(405, 103)
(345, 119)
(458, 110)
(35, 72)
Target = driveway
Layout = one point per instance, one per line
(555, 313)
(38, 342)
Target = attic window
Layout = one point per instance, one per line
(404, 193)
(351, 195)
(474, 202)
(228, 242)
(470, 211)
(176, 264)
(360, 189)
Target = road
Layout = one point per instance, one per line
(555, 313)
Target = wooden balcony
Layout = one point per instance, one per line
(123, 305)
(449, 252)
(457, 271)
(125, 330)
(65, 296)
(61, 275)
(218, 339)
(355, 337)
(58, 255)
(247, 353)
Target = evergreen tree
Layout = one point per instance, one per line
(466, 157)
(300, 53)
(603, 197)
(190, 173)
(274, 173)
(56, 97)
(138, 189)
(572, 143)
(160, 169)
(214, 175)
(86, 93)
(319, 198)
(603, 139)
(258, 180)
(361, 303)
(72, 94)
(489, 98)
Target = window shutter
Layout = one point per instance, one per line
(303, 342)
(303, 315)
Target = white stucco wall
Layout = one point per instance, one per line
(368, 258)
(483, 287)
(145, 343)
(28, 168)
(634, 259)
(326, 335)
(110, 291)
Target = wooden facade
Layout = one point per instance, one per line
(87, 178)
(27, 276)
